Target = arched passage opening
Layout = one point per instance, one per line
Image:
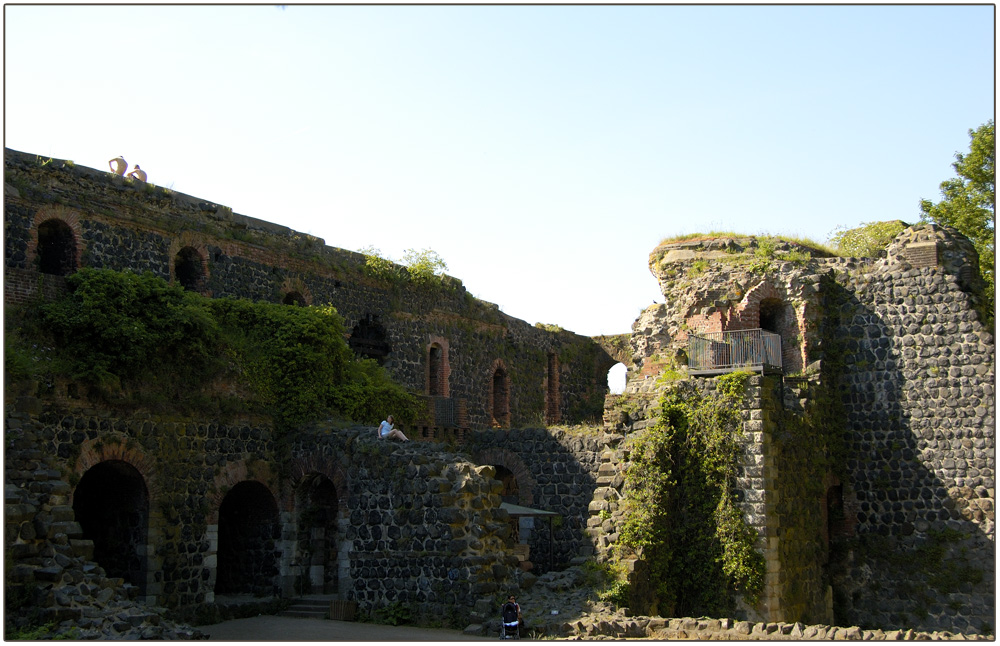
(316, 540)
(111, 503)
(294, 298)
(56, 248)
(368, 339)
(248, 534)
(616, 379)
(189, 269)
(772, 315)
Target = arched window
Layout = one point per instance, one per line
(435, 371)
(189, 269)
(111, 503)
(500, 401)
(56, 248)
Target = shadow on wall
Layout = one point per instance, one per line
(551, 470)
(914, 416)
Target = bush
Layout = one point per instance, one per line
(114, 325)
(123, 332)
(867, 241)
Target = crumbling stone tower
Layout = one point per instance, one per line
(869, 469)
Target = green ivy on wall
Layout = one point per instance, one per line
(130, 337)
(680, 513)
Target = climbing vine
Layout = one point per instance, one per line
(681, 516)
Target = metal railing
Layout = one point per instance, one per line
(728, 351)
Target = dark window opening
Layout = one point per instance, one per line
(111, 504)
(501, 399)
(368, 339)
(294, 298)
(772, 315)
(56, 248)
(435, 374)
(836, 520)
(248, 535)
(508, 489)
(189, 269)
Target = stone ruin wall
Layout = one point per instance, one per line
(917, 415)
(546, 376)
(896, 344)
(918, 392)
(345, 514)
(188, 467)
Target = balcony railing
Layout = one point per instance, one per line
(711, 353)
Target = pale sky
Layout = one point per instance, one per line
(541, 151)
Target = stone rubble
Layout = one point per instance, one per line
(562, 605)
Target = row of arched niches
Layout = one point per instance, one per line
(112, 504)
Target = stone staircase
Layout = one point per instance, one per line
(320, 606)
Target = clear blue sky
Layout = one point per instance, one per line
(542, 151)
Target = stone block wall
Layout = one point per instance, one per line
(918, 393)
(556, 470)
(339, 512)
(121, 224)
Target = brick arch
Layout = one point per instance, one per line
(746, 315)
(305, 465)
(440, 380)
(125, 449)
(240, 471)
(295, 285)
(512, 462)
(66, 215)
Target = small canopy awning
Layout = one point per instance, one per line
(518, 510)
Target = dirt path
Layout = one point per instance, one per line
(293, 629)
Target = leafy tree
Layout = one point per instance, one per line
(867, 241)
(969, 202)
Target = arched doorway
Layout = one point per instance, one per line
(56, 248)
(772, 315)
(111, 503)
(316, 539)
(248, 535)
(189, 269)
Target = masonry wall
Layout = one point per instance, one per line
(918, 394)
(120, 224)
(555, 470)
(375, 522)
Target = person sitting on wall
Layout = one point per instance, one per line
(138, 173)
(387, 432)
(118, 165)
